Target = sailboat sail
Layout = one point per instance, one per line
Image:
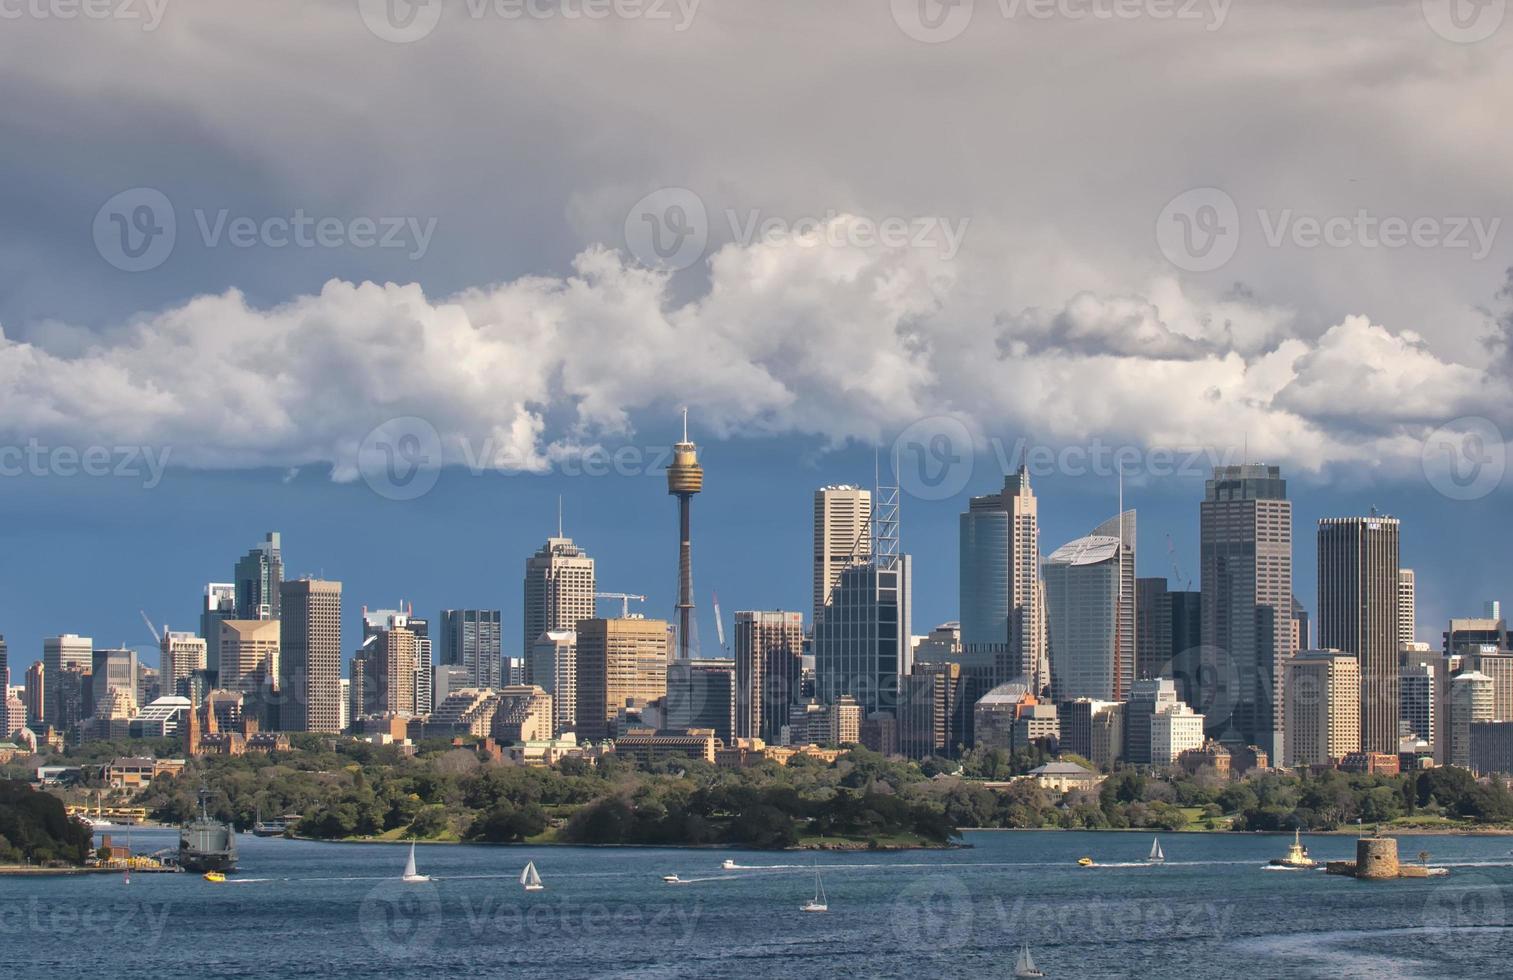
(410, 864)
(528, 877)
(1156, 853)
(1025, 964)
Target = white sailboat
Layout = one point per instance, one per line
(1024, 964)
(819, 903)
(1156, 856)
(529, 879)
(411, 875)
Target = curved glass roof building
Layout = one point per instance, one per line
(1090, 613)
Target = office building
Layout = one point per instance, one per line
(8, 724)
(559, 589)
(1474, 633)
(1470, 702)
(179, 656)
(345, 693)
(862, 644)
(622, 663)
(932, 711)
(218, 605)
(1174, 729)
(391, 658)
(34, 697)
(249, 656)
(1148, 698)
(994, 715)
(310, 656)
(1407, 606)
(554, 669)
(1416, 693)
(1245, 557)
(942, 645)
(59, 653)
(768, 661)
(257, 577)
(471, 639)
(109, 670)
(1323, 714)
(525, 714)
(702, 694)
(1491, 747)
(842, 537)
(1002, 620)
(1153, 628)
(1078, 719)
(1498, 665)
(1090, 613)
(815, 723)
(1358, 607)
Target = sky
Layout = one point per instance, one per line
(391, 277)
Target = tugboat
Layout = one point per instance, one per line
(1297, 855)
(207, 845)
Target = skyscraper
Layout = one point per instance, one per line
(842, 536)
(554, 667)
(621, 663)
(1407, 606)
(1153, 628)
(1358, 604)
(470, 639)
(702, 694)
(112, 670)
(257, 577)
(219, 604)
(1002, 619)
(390, 657)
(310, 656)
(36, 687)
(179, 656)
(1471, 701)
(931, 711)
(768, 660)
(1323, 715)
(559, 589)
(1245, 544)
(7, 724)
(862, 642)
(59, 653)
(1090, 613)
(249, 655)
(685, 477)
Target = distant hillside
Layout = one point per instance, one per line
(35, 828)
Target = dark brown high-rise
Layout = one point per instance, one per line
(1358, 565)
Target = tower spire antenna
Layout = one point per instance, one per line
(559, 515)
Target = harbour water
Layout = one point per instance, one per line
(303, 909)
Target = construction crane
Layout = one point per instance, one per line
(624, 597)
(155, 634)
(719, 622)
(1171, 552)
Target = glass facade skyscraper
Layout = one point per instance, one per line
(470, 638)
(862, 643)
(1090, 613)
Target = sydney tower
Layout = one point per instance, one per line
(684, 479)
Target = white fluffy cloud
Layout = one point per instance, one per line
(789, 337)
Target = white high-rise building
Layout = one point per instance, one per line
(1407, 603)
(559, 591)
(1174, 729)
(1323, 707)
(554, 669)
(842, 516)
(63, 709)
(180, 654)
(1471, 700)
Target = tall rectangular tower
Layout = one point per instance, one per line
(862, 642)
(1245, 543)
(310, 658)
(470, 639)
(842, 536)
(257, 577)
(1407, 606)
(1002, 619)
(559, 589)
(69, 652)
(621, 663)
(1358, 613)
(768, 661)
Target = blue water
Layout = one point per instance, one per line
(300, 909)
